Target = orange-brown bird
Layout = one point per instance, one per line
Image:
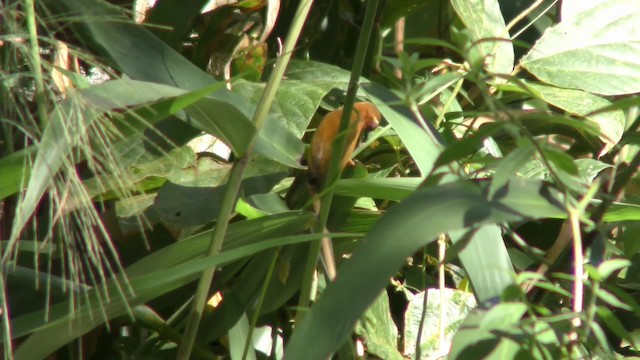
(365, 116)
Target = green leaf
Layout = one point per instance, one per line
(51, 335)
(126, 43)
(590, 168)
(571, 8)
(472, 342)
(608, 267)
(15, 171)
(490, 272)
(239, 234)
(614, 324)
(583, 104)
(206, 111)
(317, 71)
(468, 145)
(628, 238)
(508, 167)
(296, 100)
(423, 145)
(379, 330)
(503, 316)
(182, 207)
(612, 300)
(457, 305)
(561, 161)
(596, 50)
(411, 224)
(622, 212)
(394, 189)
(237, 339)
(491, 40)
(172, 19)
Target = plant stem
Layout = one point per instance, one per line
(204, 283)
(450, 100)
(6, 324)
(263, 295)
(36, 67)
(333, 174)
(235, 179)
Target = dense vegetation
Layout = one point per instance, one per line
(147, 156)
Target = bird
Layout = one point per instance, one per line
(365, 116)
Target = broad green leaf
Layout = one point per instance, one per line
(561, 161)
(295, 103)
(237, 338)
(628, 238)
(582, 103)
(503, 316)
(571, 8)
(590, 168)
(317, 71)
(614, 324)
(622, 212)
(126, 43)
(411, 224)
(379, 331)
(206, 111)
(51, 335)
(468, 145)
(71, 118)
(457, 305)
(486, 261)
(608, 267)
(242, 233)
(180, 166)
(133, 49)
(15, 171)
(612, 300)
(508, 166)
(239, 234)
(424, 145)
(472, 342)
(394, 189)
(491, 40)
(172, 19)
(596, 50)
(181, 207)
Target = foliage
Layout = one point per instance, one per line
(493, 214)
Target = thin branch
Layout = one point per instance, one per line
(523, 14)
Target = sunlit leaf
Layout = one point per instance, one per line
(595, 50)
(581, 103)
(411, 224)
(489, 33)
